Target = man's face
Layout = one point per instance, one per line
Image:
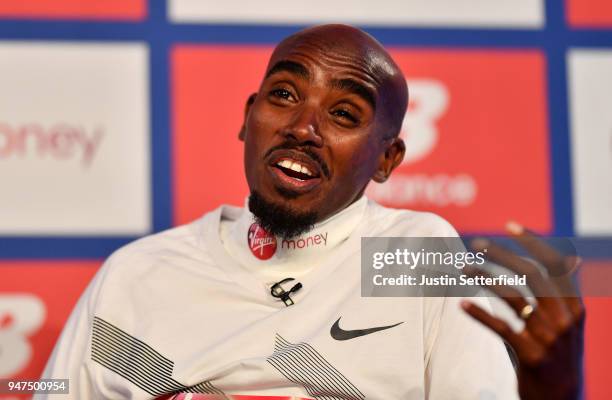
(314, 136)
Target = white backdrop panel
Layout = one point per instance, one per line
(74, 139)
(590, 90)
(471, 13)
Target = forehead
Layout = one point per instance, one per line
(353, 58)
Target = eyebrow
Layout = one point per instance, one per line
(289, 66)
(357, 88)
(346, 84)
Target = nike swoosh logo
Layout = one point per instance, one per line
(340, 334)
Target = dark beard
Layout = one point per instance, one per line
(279, 220)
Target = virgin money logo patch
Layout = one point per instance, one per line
(320, 239)
(261, 243)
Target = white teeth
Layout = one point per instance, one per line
(297, 167)
(285, 164)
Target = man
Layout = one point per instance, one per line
(265, 300)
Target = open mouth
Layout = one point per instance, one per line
(295, 169)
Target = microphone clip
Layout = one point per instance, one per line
(278, 292)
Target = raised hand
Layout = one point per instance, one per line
(550, 346)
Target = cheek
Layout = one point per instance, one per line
(265, 119)
(259, 131)
(255, 126)
(359, 159)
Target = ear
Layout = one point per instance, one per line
(247, 108)
(389, 159)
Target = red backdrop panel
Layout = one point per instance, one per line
(490, 133)
(598, 349)
(477, 139)
(74, 9)
(589, 13)
(596, 278)
(210, 86)
(56, 286)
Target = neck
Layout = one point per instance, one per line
(270, 255)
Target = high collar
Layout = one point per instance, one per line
(272, 257)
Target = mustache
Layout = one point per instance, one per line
(306, 150)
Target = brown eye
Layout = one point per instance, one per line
(281, 93)
(345, 115)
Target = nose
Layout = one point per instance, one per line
(304, 126)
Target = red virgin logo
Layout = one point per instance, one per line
(261, 243)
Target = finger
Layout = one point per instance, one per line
(560, 268)
(549, 301)
(499, 255)
(495, 324)
(549, 257)
(538, 323)
(515, 298)
(566, 284)
(569, 289)
(527, 349)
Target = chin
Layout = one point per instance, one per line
(283, 196)
(282, 217)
